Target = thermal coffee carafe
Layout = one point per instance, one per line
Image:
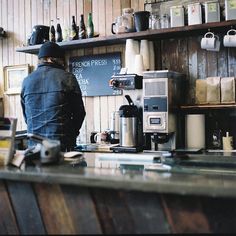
(128, 124)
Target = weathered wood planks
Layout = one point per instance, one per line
(8, 223)
(38, 208)
(184, 55)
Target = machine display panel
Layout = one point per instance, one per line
(155, 121)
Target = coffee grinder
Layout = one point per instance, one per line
(162, 95)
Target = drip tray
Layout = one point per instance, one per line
(122, 149)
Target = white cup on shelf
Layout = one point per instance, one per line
(131, 49)
(138, 64)
(151, 55)
(144, 51)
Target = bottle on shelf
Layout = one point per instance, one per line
(90, 26)
(82, 28)
(74, 30)
(227, 142)
(59, 37)
(217, 137)
(52, 32)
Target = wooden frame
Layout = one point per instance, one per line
(13, 78)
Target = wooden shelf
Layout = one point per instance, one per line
(208, 106)
(148, 34)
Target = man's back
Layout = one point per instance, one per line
(48, 98)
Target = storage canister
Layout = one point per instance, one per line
(212, 11)
(230, 9)
(194, 14)
(176, 16)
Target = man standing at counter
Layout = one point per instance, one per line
(51, 99)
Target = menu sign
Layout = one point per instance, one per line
(93, 73)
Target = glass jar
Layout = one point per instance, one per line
(165, 21)
(128, 19)
(154, 22)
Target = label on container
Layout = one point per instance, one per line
(232, 4)
(176, 11)
(212, 7)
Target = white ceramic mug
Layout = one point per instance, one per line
(230, 39)
(208, 41)
(118, 26)
(217, 45)
(100, 137)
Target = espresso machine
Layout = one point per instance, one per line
(163, 92)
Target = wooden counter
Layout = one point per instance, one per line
(61, 199)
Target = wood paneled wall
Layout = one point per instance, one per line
(18, 17)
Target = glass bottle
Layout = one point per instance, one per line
(82, 28)
(217, 137)
(90, 27)
(59, 37)
(66, 31)
(74, 30)
(52, 32)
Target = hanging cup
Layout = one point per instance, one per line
(217, 45)
(208, 41)
(230, 38)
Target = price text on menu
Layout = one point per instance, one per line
(93, 73)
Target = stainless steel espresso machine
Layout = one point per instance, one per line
(162, 93)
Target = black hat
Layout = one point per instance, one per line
(50, 49)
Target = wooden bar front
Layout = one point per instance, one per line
(41, 208)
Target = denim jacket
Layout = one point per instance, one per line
(52, 104)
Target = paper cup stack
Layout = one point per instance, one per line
(139, 56)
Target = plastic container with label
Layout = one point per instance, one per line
(212, 11)
(230, 9)
(194, 14)
(176, 16)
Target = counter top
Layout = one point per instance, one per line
(214, 182)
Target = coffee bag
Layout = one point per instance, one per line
(227, 90)
(201, 91)
(213, 90)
